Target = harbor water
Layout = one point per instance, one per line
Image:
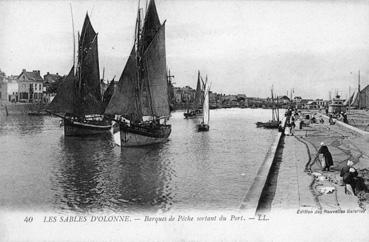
(44, 171)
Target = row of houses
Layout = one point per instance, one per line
(27, 87)
(182, 95)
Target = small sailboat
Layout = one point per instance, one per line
(204, 125)
(141, 96)
(197, 104)
(274, 123)
(78, 100)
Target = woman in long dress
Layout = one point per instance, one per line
(327, 159)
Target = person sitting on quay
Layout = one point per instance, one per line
(313, 120)
(353, 183)
(344, 115)
(327, 160)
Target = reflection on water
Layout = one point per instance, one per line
(91, 176)
(43, 169)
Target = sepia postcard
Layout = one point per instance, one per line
(184, 120)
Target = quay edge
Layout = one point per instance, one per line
(252, 197)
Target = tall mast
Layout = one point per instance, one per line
(74, 40)
(272, 104)
(349, 98)
(137, 45)
(358, 91)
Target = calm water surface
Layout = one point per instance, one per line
(43, 170)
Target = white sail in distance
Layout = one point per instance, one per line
(205, 107)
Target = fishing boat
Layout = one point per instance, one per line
(197, 104)
(204, 125)
(141, 96)
(274, 123)
(78, 100)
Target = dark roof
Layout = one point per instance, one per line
(284, 97)
(31, 75)
(52, 77)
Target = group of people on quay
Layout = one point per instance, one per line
(349, 175)
(341, 116)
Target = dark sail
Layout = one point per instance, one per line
(125, 98)
(198, 94)
(85, 38)
(63, 101)
(151, 25)
(142, 89)
(108, 93)
(89, 100)
(154, 63)
(89, 91)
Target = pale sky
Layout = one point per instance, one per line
(244, 46)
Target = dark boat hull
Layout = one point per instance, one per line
(192, 114)
(73, 128)
(268, 125)
(203, 127)
(143, 135)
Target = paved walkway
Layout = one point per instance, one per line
(293, 184)
(297, 189)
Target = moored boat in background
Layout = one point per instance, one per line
(204, 125)
(196, 109)
(274, 123)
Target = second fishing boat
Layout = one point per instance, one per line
(141, 98)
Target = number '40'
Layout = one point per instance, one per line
(28, 219)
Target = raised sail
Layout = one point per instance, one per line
(204, 125)
(108, 93)
(63, 101)
(154, 62)
(151, 26)
(197, 103)
(90, 99)
(125, 99)
(205, 108)
(79, 96)
(198, 96)
(143, 88)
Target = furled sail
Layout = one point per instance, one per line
(125, 98)
(63, 101)
(155, 75)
